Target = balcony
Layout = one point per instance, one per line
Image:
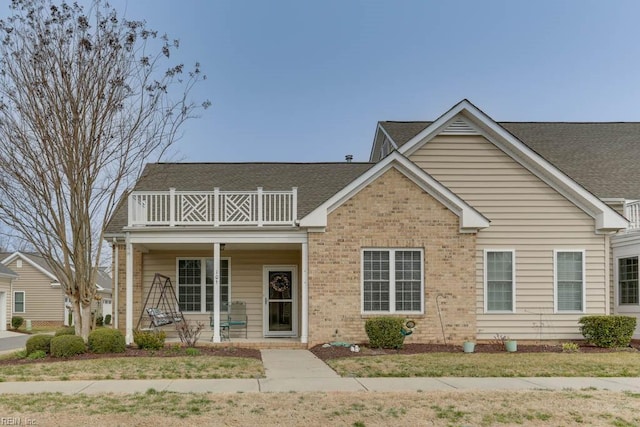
(632, 213)
(216, 208)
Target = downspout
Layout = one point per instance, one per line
(114, 302)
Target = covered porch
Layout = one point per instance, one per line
(266, 270)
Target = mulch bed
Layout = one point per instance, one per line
(333, 352)
(136, 352)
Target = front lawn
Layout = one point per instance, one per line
(612, 364)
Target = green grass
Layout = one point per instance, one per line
(616, 364)
(196, 367)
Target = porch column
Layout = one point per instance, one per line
(216, 292)
(129, 292)
(304, 335)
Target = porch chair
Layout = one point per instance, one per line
(236, 319)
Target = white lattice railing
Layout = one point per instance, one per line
(632, 212)
(213, 207)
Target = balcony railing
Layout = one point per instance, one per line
(216, 208)
(632, 212)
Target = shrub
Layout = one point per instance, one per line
(608, 331)
(149, 340)
(190, 351)
(107, 340)
(384, 332)
(67, 330)
(67, 346)
(107, 320)
(16, 322)
(38, 343)
(38, 354)
(570, 347)
(99, 320)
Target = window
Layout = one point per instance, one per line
(628, 281)
(499, 280)
(569, 278)
(195, 279)
(18, 302)
(392, 280)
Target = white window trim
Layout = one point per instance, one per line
(555, 282)
(513, 282)
(24, 302)
(616, 281)
(392, 282)
(203, 284)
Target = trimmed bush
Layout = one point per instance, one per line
(67, 330)
(149, 340)
(107, 320)
(608, 331)
(67, 346)
(40, 342)
(99, 321)
(107, 340)
(384, 332)
(16, 322)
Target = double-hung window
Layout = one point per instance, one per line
(569, 280)
(195, 284)
(18, 302)
(499, 280)
(392, 280)
(628, 290)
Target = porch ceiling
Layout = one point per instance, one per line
(227, 246)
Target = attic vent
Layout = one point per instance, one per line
(460, 127)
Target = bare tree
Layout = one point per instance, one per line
(86, 98)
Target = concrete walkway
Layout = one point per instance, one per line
(301, 371)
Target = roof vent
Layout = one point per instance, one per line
(348, 158)
(460, 127)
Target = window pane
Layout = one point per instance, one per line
(499, 281)
(224, 283)
(189, 284)
(18, 302)
(376, 281)
(570, 281)
(628, 280)
(408, 280)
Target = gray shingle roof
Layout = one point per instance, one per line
(316, 182)
(5, 271)
(602, 157)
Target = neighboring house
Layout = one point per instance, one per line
(36, 293)
(6, 279)
(469, 227)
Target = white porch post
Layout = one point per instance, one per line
(304, 335)
(129, 292)
(216, 292)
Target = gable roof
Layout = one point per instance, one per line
(103, 280)
(603, 157)
(476, 121)
(35, 260)
(316, 182)
(470, 219)
(7, 272)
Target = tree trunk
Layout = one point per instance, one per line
(82, 319)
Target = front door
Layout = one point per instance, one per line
(280, 303)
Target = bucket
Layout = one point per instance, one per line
(468, 346)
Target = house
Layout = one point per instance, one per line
(36, 293)
(6, 279)
(469, 227)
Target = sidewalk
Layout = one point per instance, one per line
(301, 371)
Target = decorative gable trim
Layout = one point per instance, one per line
(32, 263)
(470, 219)
(606, 219)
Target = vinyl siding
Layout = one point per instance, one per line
(246, 280)
(42, 302)
(528, 216)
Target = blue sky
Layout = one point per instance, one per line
(307, 81)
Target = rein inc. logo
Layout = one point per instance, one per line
(17, 421)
